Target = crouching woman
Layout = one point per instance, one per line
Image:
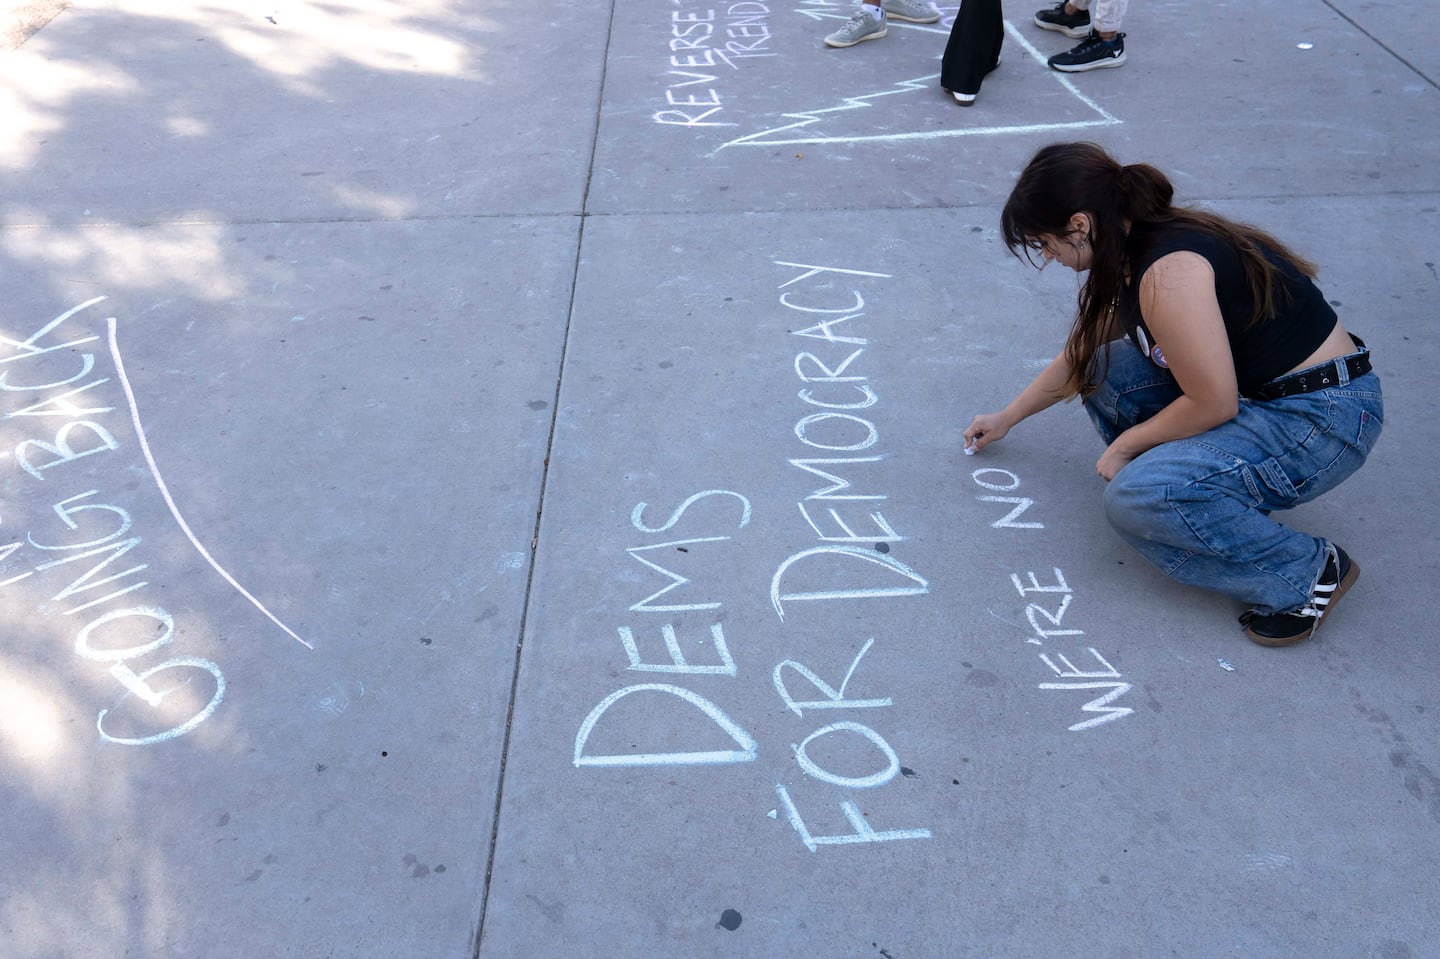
(1222, 382)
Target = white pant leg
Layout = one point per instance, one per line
(1105, 15)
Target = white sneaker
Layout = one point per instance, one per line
(911, 11)
(860, 27)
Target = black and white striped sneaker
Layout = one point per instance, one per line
(1285, 629)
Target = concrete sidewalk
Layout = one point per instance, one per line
(484, 480)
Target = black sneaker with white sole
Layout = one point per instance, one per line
(1285, 629)
(1092, 53)
(1073, 25)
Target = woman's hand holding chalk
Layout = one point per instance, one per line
(989, 427)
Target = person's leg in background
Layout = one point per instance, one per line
(973, 49)
(869, 21)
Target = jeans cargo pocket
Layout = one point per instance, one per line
(1271, 485)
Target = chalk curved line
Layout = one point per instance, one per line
(165, 490)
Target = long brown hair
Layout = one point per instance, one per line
(1068, 178)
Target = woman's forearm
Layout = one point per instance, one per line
(1184, 417)
(1044, 391)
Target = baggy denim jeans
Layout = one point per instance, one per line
(1199, 508)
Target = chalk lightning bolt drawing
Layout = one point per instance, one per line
(797, 133)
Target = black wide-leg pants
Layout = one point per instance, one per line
(974, 46)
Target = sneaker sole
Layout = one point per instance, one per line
(1341, 588)
(1074, 33)
(1086, 67)
(904, 19)
(840, 44)
(968, 99)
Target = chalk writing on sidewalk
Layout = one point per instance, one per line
(831, 382)
(45, 378)
(1046, 604)
(834, 440)
(855, 556)
(707, 43)
(675, 661)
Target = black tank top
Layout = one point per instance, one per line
(1275, 345)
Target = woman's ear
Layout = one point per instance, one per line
(1080, 223)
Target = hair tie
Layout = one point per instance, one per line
(1125, 179)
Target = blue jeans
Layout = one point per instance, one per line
(1198, 508)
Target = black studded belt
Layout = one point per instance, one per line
(1320, 377)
